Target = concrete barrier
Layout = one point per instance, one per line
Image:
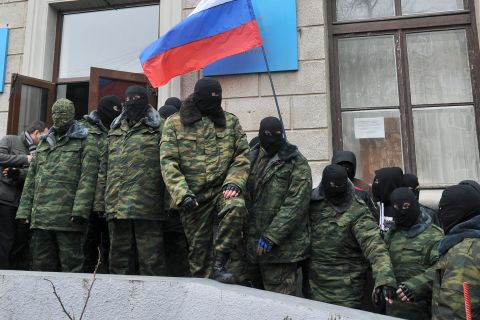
(27, 295)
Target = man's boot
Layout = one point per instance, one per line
(219, 273)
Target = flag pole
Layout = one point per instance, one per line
(273, 90)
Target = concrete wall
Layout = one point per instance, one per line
(27, 295)
(303, 94)
(14, 14)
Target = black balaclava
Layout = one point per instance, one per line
(136, 103)
(411, 181)
(335, 183)
(173, 101)
(386, 180)
(347, 160)
(208, 96)
(271, 135)
(459, 203)
(109, 107)
(166, 111)
(406, 208)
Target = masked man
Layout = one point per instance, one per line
(59, 191)
(98, 123)
(459, 214)
(345, 240)
(134, 190)
(413, 246)
(411, 181)
(279, 189)
(204, 155)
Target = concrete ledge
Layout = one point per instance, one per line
(26, 295)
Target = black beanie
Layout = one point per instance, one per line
(166, 111)
(174, 101)
(109, 107)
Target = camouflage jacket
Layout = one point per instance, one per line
(99, 138)
(277, 200)
(412, 252)
(60, 182)
(199, 158)
(460, 262)
(343, 245)
(131, 171)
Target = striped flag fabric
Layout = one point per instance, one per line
(214, 30)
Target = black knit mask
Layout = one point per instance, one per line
(208, 96)
(335, 183)
(406, 208)
(270, 135)
(136, 103)
(386, 180)
(109, 108)
(458, 204)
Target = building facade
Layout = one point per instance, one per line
(395, 81)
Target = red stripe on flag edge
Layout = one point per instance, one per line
(196, 55)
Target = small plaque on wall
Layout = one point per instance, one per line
(277, 20)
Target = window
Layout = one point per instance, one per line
(402, 93)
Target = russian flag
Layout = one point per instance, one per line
(214, 30)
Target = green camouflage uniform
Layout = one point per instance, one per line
(97, 231)
(412, 252)
(343, 244)
(279, 196)
(60, 184)
(198, 160)
(134, 194)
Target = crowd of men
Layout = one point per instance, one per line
(180, 192)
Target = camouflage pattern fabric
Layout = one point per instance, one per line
(279, 198)
(197, 160)
(280, 277)
(57, 251)
(143, 237)
(204, 236)
(460, 264)
(131, 173)
(411, 256)
(342, 246)
(200, 157)
(61, 182)
(176, 246)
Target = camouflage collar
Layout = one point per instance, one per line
(419, 227)
(287, 152)
(94, 119)
(76, 131)
(189, 114)
(318, 195)
(152, 119)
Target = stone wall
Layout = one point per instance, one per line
(303, 94)
(14, 14)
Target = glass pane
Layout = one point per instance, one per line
(439, 67)
(33, 106)
(376, 139)
(428, 6)
(368, 73)
(111, 39)
(364, 9)
(115, 87)
(446, 145)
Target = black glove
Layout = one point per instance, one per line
(13, 173)
(24, 221)
(382, 293)
(232, 187)
(78, 220)
(407, 292)
(189, 203)
(264, 246)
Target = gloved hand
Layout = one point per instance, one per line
(231, 190)
(264, 246)
(12, 173)
(24, 221)
(383, 292)
(189, 203)
(405, 294)
(78, 220)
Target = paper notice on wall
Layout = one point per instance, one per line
(369, 128)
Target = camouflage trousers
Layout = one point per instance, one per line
(176, 246)
(220, 219)
(144, 238)
(57, 251)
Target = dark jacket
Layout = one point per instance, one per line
(278, 200)
(13, 154)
